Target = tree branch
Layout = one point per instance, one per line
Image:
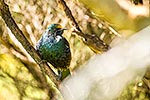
(93, 41)
(6, 15)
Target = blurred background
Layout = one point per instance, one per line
(108, 20)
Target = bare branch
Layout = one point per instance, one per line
(92, 41)
(6, 15)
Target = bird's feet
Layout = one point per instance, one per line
(59, 76)
(62, 74)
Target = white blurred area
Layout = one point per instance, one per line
(135, 10)
(106, 75)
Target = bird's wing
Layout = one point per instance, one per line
(66, 42)
(67, 46)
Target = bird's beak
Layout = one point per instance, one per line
(62, 30)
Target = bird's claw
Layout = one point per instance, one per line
(59, 76)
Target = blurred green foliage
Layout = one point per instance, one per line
(16, 82)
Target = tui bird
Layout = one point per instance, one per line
(55, 49)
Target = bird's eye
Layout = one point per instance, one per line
(56, 29)
(59, 32)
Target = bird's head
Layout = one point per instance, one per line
(56, 29)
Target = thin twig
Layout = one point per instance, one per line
(92, 41)
(6, 15)
(70, 16)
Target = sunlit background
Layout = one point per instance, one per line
(34, 16)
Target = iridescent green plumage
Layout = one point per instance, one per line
(54, 48)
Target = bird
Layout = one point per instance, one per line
(55, 49)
